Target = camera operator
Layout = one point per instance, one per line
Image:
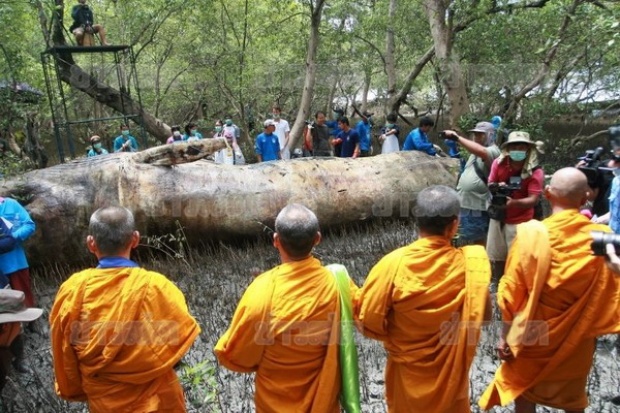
(83, 23)
(472, 184)
(317, 136)
(516, 181)
(612, 218)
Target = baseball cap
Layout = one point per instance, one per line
(13, 309)
(484, 127)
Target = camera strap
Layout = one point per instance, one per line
(479, 172)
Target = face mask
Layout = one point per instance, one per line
(517, 156)
(125, 132)
(218, 128)
(228, 122)
(389, 126)
(193, 131)
(97, 145)
(177, 133)
(276, 116)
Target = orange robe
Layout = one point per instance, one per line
(116, 335)
(286, 329)
(567, 297)
(426, 302)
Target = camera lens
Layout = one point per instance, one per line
(600, 239)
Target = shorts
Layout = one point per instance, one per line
(473, 226)
(500, 239)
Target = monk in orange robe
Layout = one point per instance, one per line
(555, 298)
(286, 326)
(426, 303)
(117, 330)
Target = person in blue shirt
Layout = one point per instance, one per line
(97, 149)
(125, 142)
(348, 139)
(334, 129)
(267, 146)
(363, 129)
(191, 132)
(417, 140)
(16, 224)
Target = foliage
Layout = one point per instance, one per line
(199, 61)
(200, 384)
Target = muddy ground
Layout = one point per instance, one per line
(213, 280)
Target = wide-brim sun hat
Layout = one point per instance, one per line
(518, 137)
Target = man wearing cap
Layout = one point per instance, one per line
(267, 146)
(118, 330)
(472, 185)
(282, 132)
(363, 129)
(13, 312)
(517, 167)
(96, 149)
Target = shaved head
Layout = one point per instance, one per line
(112, 228)
(569, 187)
(297, 227)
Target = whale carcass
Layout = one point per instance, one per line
(169, 187)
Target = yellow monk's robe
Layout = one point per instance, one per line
(286, 329)
(568, 297)
(426, 302)
(116, 335)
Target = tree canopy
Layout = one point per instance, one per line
(200, 61)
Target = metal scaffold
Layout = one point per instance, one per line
(108, 75)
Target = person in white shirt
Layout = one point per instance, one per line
(282, 132)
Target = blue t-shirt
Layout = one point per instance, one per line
(349, 138)
(363, 130)
(120, 140)
(92, 152)
(198, 135)
(418, 141)
(614, 205)
(267, 146)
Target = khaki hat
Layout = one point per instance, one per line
(518, 137)
(95, 138)
(12, 308)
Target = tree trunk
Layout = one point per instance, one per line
(450, 67)
(308, 91)
(390, 61)
(400, 98)
(215, 201)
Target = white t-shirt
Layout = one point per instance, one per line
(282, 128)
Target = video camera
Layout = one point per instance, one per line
(592, 157)
(600, 239)
(504, 191)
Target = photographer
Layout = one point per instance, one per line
(472, 184)
(83, 23)
(516, 183)
(612, 218)
(316, 136)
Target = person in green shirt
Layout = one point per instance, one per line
(472, 185)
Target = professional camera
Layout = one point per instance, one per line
(498, 190)
(309, 124)
(592, 157)
(600, 239)
(442, 135)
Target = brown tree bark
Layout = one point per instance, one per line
(449, 65)
(316, 9)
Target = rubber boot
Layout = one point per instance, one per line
(17, 349)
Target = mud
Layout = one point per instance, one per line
(213, 281)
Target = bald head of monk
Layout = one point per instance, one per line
(437, 211)
(297, 232)
(568, 189)
(112, 232)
